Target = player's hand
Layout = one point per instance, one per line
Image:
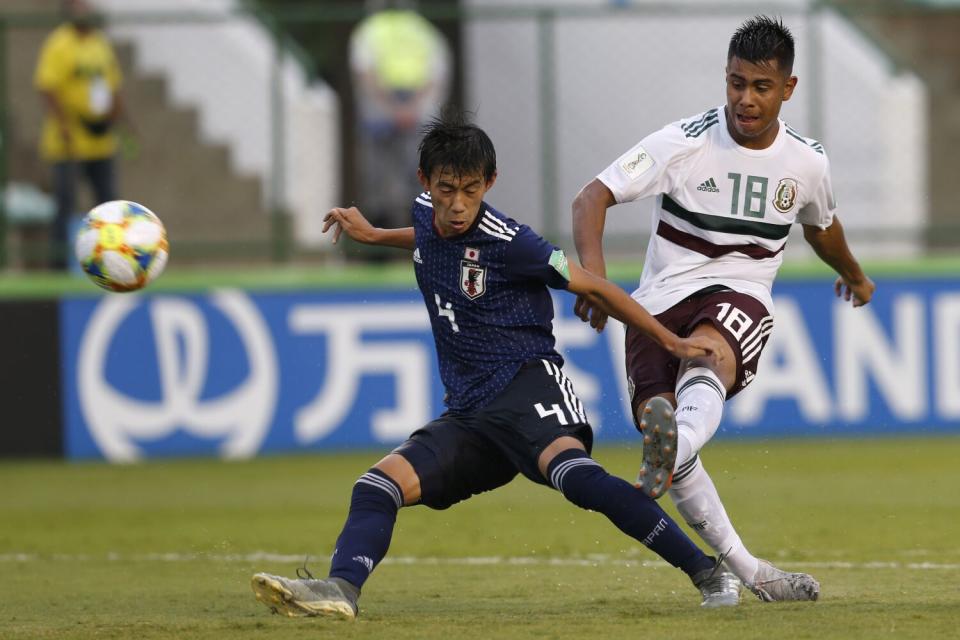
(860, 292)
(589, 312)
(697, 347)
(351, 221)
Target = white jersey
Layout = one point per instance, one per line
(723, 211)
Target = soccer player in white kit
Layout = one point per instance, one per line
(729, 183)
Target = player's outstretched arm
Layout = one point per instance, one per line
(351, 221)
(612, 300)
(831, 245)
(589, 215)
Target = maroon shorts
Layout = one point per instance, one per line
(742, 320)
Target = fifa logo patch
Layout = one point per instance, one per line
(635, 162)
(786, 195)
(473, 276)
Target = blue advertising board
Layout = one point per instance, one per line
(235, 374)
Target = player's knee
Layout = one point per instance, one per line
(401, 472)
(703, 379)
(700, 400)
(375, 491)
(726, 368)
(558, 446)
(422, 462)
(576, 475)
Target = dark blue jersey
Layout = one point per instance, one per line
(486, 293)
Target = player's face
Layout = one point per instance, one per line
(456, 198)
(755, 93)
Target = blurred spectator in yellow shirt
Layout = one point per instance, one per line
(400, 65)
(79, 79)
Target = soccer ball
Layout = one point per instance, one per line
(122, 245)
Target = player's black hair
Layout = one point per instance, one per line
(451, 142)
(762, 38)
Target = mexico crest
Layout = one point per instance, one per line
(786, 195)
(473, 277)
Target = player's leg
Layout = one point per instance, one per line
(437, 467)
(583, 481)
(652, 374)
(698, 502)
(700, 397)
(64, 188)
(700, 394)
(540, 425)
(101, 176)
(742, 325)
(377, 497)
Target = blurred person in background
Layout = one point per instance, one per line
(79, 78)
(400, 68)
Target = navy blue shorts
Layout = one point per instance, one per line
(459, 455)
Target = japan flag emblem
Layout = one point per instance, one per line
(473, 276)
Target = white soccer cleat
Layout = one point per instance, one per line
(774, 585)
(304, 597)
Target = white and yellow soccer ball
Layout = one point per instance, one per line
(122, 245)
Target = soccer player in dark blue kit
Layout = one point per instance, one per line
(484, 279)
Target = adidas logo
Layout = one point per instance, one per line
(416, 256)
(365, 561)
(709, 185)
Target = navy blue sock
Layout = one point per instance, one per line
(366, 535)
(586, 484)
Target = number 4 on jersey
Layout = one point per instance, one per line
(445, 310)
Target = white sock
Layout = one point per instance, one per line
(700, 398)
(684, 449)
(696, 498)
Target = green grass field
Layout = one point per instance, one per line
(332, 276)
(165, 550)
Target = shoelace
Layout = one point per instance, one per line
(718, 583)
(716, 567)
(303, 573)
